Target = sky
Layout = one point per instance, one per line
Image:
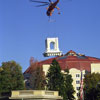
(24, 28)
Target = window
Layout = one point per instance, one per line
(77, 82)
(83, 75)
(78, 94)
(77, 75)
(78, 88)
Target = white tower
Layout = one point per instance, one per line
(52, 51)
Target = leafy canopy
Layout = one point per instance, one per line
(68, 87)
(11, 77)
(54, 77)
(58, 81)
(92, 86)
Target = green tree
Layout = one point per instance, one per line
(68, 87)
(60, 81)
(55, 77)
(11, 77)
(37, 79)
(92, 86)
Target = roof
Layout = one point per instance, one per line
(72, 60)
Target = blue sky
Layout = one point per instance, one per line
(24, 28)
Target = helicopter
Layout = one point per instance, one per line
(50, 8)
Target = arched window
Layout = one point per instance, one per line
(52, 45)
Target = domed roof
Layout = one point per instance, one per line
(73, 60)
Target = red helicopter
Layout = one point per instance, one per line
(50, 8)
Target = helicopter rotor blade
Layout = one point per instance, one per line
(39, 1)
(41, 5)
(50, 1)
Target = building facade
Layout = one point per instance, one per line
(76, 63)
(95, 68)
